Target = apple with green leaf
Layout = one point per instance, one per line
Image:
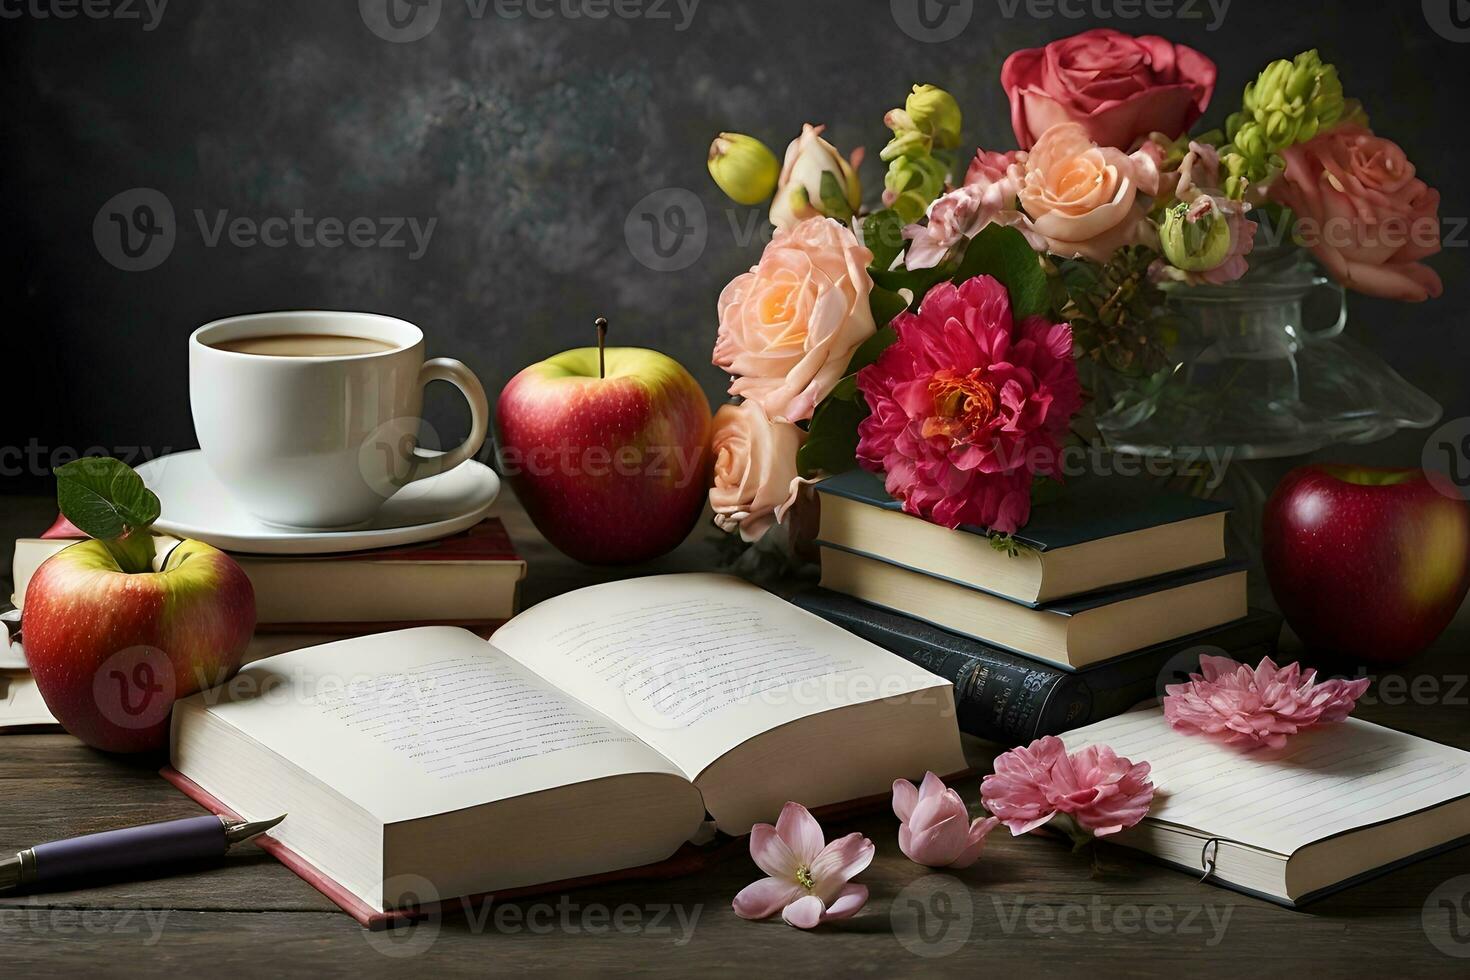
(608, 450)
(1368, 563)
(112, 636)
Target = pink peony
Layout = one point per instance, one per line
(1363, 213)
(789, 326)
(1100, 790)
(1119, 87)
(936, 830)
(968, 406)
(809, 880)
(1231, 703)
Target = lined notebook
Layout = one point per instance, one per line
(1335, 805)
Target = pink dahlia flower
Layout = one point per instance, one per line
(968, 407)
(936, 830)
(1101, 791)
(1233, 704)
(809, 881)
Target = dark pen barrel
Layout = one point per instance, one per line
(117, 850)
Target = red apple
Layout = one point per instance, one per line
(612, 468)
(1366, 562)
(111, 651)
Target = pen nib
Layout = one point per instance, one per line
(243, 830)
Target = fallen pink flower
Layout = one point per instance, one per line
(809, 880)
(936, 830)
(1100, 791)
(1235, 705)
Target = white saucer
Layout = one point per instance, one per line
(195, 505)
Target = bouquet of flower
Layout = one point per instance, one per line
(936, 339)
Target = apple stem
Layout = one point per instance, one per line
(133, 552)
(601, 346)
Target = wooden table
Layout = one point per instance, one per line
(1028, 908)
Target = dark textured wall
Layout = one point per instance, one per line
(528, 141)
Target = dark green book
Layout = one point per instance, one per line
(1097, 534)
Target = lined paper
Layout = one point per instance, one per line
(1324, 781)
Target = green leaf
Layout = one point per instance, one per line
(883, 235)
(885, 304)
(1003, 253)
(104, 497)
(870, 349)
(834, 201)
(831, 447)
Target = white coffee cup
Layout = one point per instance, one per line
(320, 440)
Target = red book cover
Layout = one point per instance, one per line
(687, 860)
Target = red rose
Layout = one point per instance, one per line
(1121, 88)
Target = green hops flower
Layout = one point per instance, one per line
(744, 167)
(1292, 101)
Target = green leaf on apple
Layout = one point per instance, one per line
(106, 500)
(1004, 254)
(831, 445)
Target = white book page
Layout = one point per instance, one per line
(696, 664)
(1326, 780)
(423, 721)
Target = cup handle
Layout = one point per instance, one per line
(457, 374)
(1332, 330)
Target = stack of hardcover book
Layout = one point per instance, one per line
(1109, 592)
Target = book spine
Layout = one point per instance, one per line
(999, 696)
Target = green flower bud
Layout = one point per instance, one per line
(912, 184)
(744, 167)
(934, 112)
(1194, 244)
(907, 144)
(1292, 101)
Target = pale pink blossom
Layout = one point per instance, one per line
(959, 216)
(936, 829)
(1101, 791)
(1233, 704)
(809, 881)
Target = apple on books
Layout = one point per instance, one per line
(608, 451)
(1366, 562)
(111, 641)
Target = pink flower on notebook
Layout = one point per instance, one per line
(1233, 704)
(1091, 793)
(936, 827)
(810, 881)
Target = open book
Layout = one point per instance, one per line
(1336, 804)
(597, 731)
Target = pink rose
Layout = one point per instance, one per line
(755, 480)
(789, 326)
(1119, 87)
(1085, 199)
(1363, 213)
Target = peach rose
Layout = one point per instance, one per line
(1084, 199)
(756, 480)
(789, 326)
(1119, 88)
(1363, 213)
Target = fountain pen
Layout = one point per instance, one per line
(130, 849)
